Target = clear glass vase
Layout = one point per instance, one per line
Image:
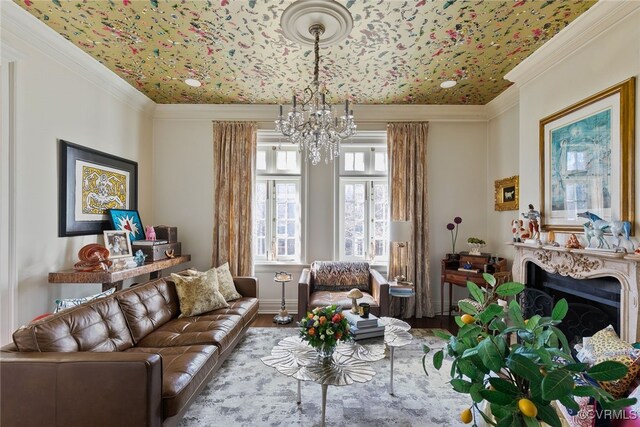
(325, 352)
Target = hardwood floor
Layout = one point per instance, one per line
(443, 322)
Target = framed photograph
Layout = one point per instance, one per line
(118, 243)
(507, 194)
(128, 220)
(90, 182)
(587, 160)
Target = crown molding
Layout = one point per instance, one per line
(600, 17)
(365, 114)
(18, 25)
(503, 102)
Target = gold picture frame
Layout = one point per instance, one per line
(507, 194)
(587, 154)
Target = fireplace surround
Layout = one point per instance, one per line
(585, 264)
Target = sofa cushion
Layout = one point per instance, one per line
(339, 276)
(63, 304)
(325, 298)
(184, 369)
(245, 307)
(148, 306)
(225, 280)
(94, 326)
(218, 329)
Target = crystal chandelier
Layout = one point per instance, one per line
(311, 122)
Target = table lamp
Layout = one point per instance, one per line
(400, 233)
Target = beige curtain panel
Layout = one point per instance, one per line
(234, 154)
(407, 149)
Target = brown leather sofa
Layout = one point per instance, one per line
(123, 360)
(328, 282)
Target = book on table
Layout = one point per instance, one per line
(369, 332)
(148, 242)
(360, 322)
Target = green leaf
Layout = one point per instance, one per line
(474, 392)
(549, 415)
(607, 371)
(467, 307)
(557, 384)
(507, 421)
(575, 367)
(459, 321)
(497, 325)
(526, 336)
(530, 422)
(442, 334)
(425, 348)
(524, 367)
(461, 386)
(515, 314)
(471, 330)
(533, 322)
(560, 335)
(466, 368)
(503, 386)
(585, 390)
(476, 292)
(491, 281)
(569, 403)
(489, 354)
(544, 356)
(489, 313)
(496, 397)
(619, 404)
(438, 357)
(560, 310)
(509, 289)
(424, 365)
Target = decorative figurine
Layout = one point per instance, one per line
(150, 232)
(617, 228)
(354, 294)
(519, 232)
(573, 242)
(534, 222)
(139, 258)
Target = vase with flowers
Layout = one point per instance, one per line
(323, 328)
(454, 236)
(513, 368)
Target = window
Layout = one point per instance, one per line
(363, 210)
(277, 204)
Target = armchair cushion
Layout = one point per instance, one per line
(338, 276)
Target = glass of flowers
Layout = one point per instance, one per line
(323, 327)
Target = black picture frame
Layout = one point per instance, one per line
(69, 154)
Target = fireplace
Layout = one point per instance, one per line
(605, 281)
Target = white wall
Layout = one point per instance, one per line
(53, 101)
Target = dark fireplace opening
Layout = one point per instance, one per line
(594, 303)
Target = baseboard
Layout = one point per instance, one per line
(272, 306)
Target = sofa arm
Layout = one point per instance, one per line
(304, 292)
(247, 286)
(80, 389)
(380, 291)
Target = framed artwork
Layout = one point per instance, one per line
(127, 220)
(507, 194)
(587, 160)
(90, 182)
(118, 243)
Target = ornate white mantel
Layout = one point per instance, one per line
(588, 264)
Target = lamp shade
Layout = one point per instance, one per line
(400, 231)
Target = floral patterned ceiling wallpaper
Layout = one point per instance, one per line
(397, 53)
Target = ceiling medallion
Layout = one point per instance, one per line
(311, 123)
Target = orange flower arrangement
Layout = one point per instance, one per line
(324, 327)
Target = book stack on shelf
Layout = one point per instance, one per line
(363, 328)
(150, 242)
(401, 289)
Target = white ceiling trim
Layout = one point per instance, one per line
(364, 114)
(20, 25)
(600, 17)
(503, 102)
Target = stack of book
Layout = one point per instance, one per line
(402, 289)
(363, 328)
(149, 242)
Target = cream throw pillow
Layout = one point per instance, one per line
(198, 294)
(225, 281)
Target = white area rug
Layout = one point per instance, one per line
(245, 392)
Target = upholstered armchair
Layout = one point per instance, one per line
(329, 282)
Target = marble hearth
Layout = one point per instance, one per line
(586, 264)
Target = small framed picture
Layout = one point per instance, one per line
(127, 219)
(507, 194)
(118, 243)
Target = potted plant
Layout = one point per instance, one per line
(514, 368)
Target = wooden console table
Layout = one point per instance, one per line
(110, 279)
(449, 273)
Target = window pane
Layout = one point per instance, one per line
(348, 161)
(380, 162)
(354, 219)
(261, 160)
(380, 222)
(260, 219)
(358, 163)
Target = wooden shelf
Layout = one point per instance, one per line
(110, 279)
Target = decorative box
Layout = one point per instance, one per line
(158, 252)
(168, 233)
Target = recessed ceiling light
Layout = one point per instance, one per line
(448, 84)
(193, 82)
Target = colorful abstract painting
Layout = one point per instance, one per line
(101, 188)
(397, 53)
(123, 219)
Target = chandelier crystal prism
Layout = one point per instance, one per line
(311, 123)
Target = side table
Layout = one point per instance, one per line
(396, 334)
(283, 317)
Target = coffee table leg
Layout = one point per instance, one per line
(299, 394)
(324, 401)
(391, 382)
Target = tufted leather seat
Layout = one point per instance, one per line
(129, 348)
